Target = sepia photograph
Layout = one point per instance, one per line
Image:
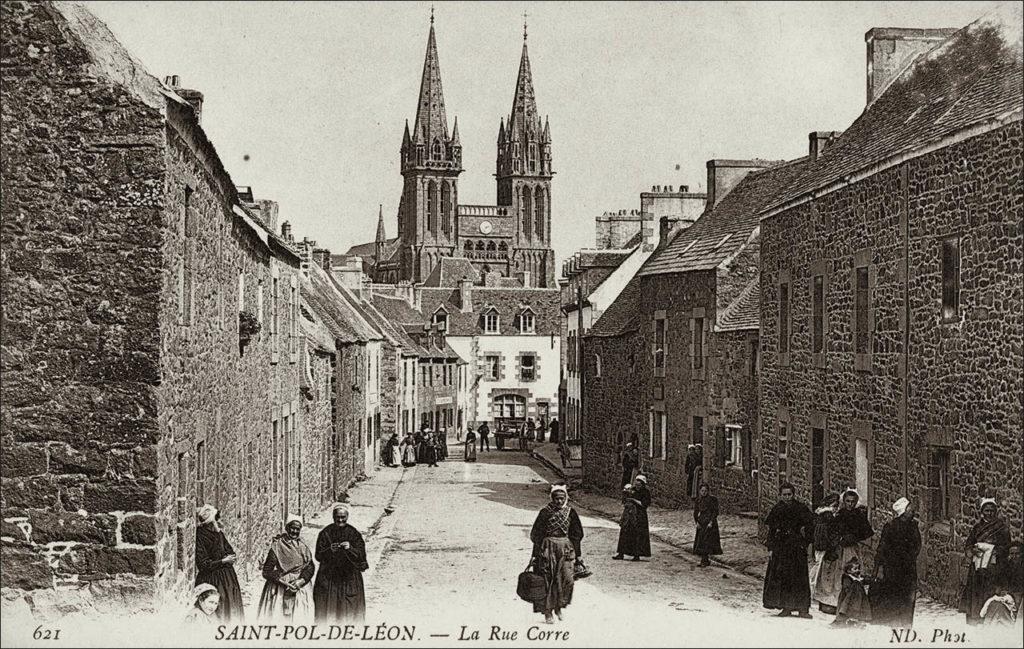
(511, 324)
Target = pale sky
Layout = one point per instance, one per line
(316, 94)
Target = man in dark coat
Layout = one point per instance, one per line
(484, 431)
(338, 593)
(553, 428)
(790, 528)
(892, 596)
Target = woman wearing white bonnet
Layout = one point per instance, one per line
(288, 570)
(215, 564)
(986, 549)
(557, 533)
(893, 595)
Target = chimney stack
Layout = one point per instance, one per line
(723, 175)
(667, 226)
(466, 294)
(193, 97)
(322, 257)
(286, 231)
(817, 141)
(891, 49)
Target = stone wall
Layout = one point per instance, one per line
(81, 194)
(955, 389)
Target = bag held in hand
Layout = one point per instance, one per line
(532, 587)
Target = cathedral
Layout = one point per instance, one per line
(439, 242)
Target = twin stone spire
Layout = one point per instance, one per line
(523, 145)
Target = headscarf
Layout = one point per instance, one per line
(342, 506)
(985, 501)
(849, 490)
(558, 518)
(292, 554)
(900, 506)
(206, 514)
(642, 478)
(293, 518)
(559, 487)
(201, 590)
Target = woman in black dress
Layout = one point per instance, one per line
(556, 535)
(215, 559)
(338, 592)
(893, 594)
(986, 550)
(790, 529)
(707, 540)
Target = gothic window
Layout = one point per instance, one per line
(539, 212)
(479, 246)
(432, 207)
(468, 247)
(527, 209)
(436, 150)
(446, 208)
(502, 249)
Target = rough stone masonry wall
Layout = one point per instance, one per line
(390, 366)
(213, 392)
(612, 414)
(82, 194)
(316, 467)
(964, 378)
(350, 414)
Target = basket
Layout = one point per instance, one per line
(531, 587)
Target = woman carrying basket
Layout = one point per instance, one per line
(556, 537)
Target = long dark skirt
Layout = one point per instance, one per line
(634, 533)
(224, 579)
(892, 603)
(339, 597)
(707, 540)
(981, 584)
(786, 583)
(556, 560)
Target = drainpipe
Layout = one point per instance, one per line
(581, 361)
(905, 224)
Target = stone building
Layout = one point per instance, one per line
(510, 240)
(673, 360)
(154, 352)
(892, 299)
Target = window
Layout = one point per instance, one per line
(424, 374)
(597, 365)
(432, 207)
(754, 349)
(441, 319)
(200, 473)
(659, 346)
(491, 366)
(783, 451)
(275, 479)
(818, 315)
(784, 318)
(951, 278)
(861, 305)
(733, 451)
(527, 322)
(241, 291)
(293, 320)
(275, 330)
(510, 405)
(528, 368)
(817, 465)
(491, 322)
(659, 435)
(698, 343)
(698, 431)
(938, 484)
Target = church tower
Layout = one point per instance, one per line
(431, 164)
(524, 179)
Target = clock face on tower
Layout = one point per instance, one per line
(485, 227)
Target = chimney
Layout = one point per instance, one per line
(466, 294)
(667, 226)
(817, 141)
(286, 231)
(350, 274)
(322, 257)
(891, 49)
(649, 232)
(193, 97)
(723, 175)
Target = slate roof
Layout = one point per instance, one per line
(972, 77)
(327, 303)
(509, 302)
(726, 227)
(368, 250)
(449, 271)
(744, 312)
(623, 315)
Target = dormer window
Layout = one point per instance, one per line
(441, 319)
(492, 321)
(527, 322)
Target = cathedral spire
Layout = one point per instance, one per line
(524, 105)
(431, 123)
(381, 237)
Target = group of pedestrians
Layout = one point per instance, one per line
(838, 580)
(290, 592)
(425, 446)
